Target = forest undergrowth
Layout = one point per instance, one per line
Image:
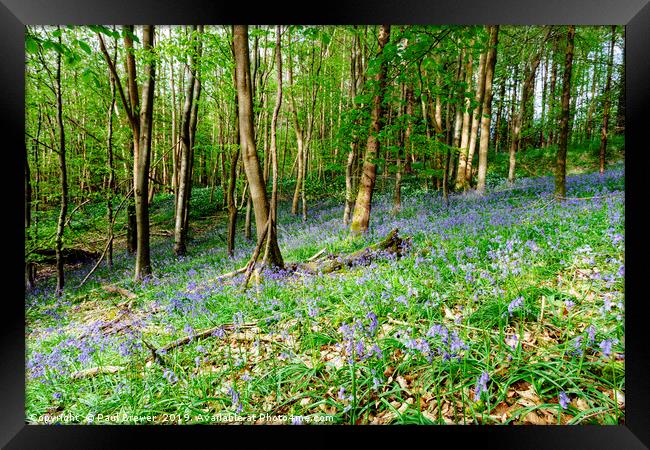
(507, 308)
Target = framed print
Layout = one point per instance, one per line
(420, 215)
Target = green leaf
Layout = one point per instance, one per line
(31, 45)
(85, 47)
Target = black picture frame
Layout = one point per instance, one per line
(15, 14)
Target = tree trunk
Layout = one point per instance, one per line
(620, 111)
(361, 216)
(143, 160)
(476, 119)
(272, 231)
(247, 139)
(232, 183)
(350, 187)
(529, 78)
(185, 172)
(111, 171)
(60, 281)
(397, 201)
(29, 266)
(464, 138)
(606, 107)
(551, 107)
(560, 168)
(486, 117)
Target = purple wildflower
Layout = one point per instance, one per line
(564, 400)
(606, 346)
(481, 385)
(515, 304)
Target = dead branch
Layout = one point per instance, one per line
(317, 255)
(96, 371)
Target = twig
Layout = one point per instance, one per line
(203, 334)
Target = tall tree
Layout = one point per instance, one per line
(272, 231)
(560, 164)
(464, 137)
(60, 225)
(476, 118)
(143, 155)
(140, 116)
(356, 68)
(188, 128)
(361, 216)
(490, 63)
(247, 141)
(526, 90)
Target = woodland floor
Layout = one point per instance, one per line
(512, 296)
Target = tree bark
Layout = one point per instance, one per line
(185, 173)
(272, 231)
(560, 168)
(464, 138)
(350, 197)
(486, 117)
(247, 140)
(232, 180)
(361, 216)
(143, 160)
(60, 281)
(476, 118)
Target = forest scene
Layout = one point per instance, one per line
(372, 224)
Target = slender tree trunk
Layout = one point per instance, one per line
(526, 89)
(232, 183)
(184, 173)
(620, 110)
(111, 173)
(476, 119)
(350, 187)
(560, 168)
(464, 139)
(143, 259)
(551, 107)
(29, 272)
(272, 231)
(606, 107)
(486, 117)
(300, 159)
(361, 216)
(544, 97)
(247, 139)
(189, 121)
(60, 282)
(592, 104)
(497, 125)
(397, 202)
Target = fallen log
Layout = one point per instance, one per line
(328, 263)
(391, 244)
